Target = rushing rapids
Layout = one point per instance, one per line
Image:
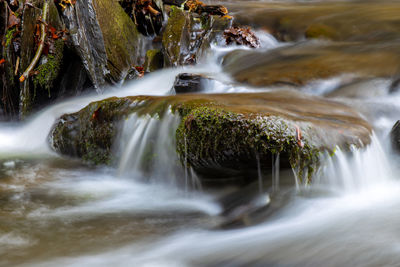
(151, 206)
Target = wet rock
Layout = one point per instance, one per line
(8, 82)
(190, 83)
(89, 134)
(300, 64)
(154, 60)
(223, 134)
(108, 47)
(188, 35)
(395, 136)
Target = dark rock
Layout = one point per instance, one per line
(395, 136)
(190, 83)
(107, 47)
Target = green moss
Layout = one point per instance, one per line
(48, 72)
(214, 135)
(172, 35)
(9, 36)
(154, 60)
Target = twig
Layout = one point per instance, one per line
(41, 43)
(16, 66)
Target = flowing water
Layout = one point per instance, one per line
(55, 211)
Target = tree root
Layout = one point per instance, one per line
(39, 51)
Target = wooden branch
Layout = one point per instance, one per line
(39, 51)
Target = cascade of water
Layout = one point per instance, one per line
(259, 174)
(275, 172)
(148, 147)
(185, 164)
(356, 170)
(296, 178)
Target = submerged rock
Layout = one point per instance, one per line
(222, 134)
(300, 64)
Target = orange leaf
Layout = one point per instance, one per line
(2, 61)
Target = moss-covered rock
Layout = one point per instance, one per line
(154, 60)
(89, 134)
(105, 38)
(122, 40)
(222, 133)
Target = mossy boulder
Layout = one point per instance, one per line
(187, 35)
(310, 61)
(221, 134)
(90, 133)
(105, 38)
(122, 40)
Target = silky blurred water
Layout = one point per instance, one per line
(57, 211)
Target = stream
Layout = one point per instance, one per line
(57, 211)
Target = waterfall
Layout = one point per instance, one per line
(147, 146)
(356, 170)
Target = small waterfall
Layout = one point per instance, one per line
(275, 172)
(259, 174)
(148, 148)
(356, 170)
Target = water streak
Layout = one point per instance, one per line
(148, 148)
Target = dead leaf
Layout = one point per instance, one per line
(12, 20)
(241, 36)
